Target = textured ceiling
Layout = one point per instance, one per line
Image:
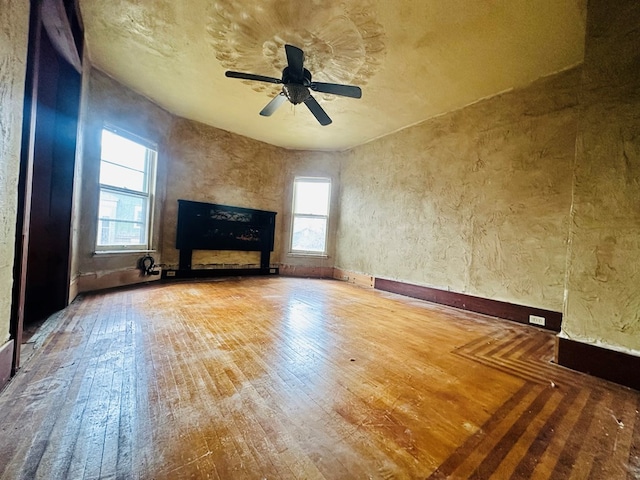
(414, 59)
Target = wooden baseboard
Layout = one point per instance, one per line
(6, 362)
(73, 289)
(305, 271)
(618, 367)
(353, 277)
(495, 308)
(92, 282)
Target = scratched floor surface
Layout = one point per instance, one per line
(304, 379)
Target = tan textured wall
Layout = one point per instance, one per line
(603, 278)
(77, 207)
(212, 165)
(14, 28)
(215, 166)
(476, 201)
(107, 101)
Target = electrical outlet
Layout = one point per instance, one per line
(171, 273)
(536, 320)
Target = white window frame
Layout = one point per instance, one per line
(149, 195)
(294, 215)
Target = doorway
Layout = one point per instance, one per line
(52, 99)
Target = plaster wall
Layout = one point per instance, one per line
(106, 101)
(475, 201)
(14, 28)
(77, 207)
(603, 272)
(212, 165)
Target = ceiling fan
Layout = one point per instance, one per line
(296, 85)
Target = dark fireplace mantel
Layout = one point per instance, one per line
(210, 226)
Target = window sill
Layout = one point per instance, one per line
(100, 253)
(303, 254)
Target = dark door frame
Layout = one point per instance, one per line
(57, 23)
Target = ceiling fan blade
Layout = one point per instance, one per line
(337, 89)
(251, 76)
(317, 111)
(273, 105)
(295, 59)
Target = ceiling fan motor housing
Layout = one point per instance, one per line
(294, 77)
(296, 93)
(295, 85)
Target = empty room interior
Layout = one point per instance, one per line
(328, 239)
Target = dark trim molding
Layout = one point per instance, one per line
(55, 19)
(495, 308)
(618, 367)
(6, 362)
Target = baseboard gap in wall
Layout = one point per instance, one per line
(359, 279)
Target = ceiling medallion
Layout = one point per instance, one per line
(342, 41)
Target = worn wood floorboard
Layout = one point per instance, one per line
(283, 378)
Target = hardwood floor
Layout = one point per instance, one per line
(310, 379)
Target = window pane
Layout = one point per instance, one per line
(122, 177)
(122, 151)
(122, 219)
(309, 234)
(312, 198)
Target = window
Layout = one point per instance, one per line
(310, 215)
(127, 169)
